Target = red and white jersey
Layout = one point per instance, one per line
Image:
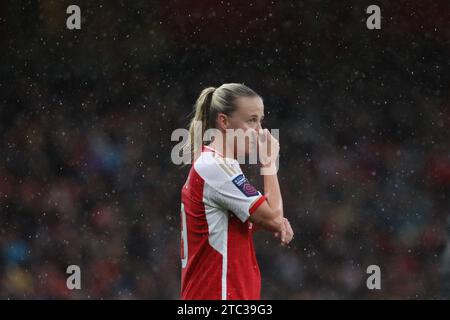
(217, 253)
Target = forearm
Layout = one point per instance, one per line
(270, 215)
(273, 194)
(273, 225)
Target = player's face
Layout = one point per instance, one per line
(248, 117)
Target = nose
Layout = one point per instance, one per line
(258, 126)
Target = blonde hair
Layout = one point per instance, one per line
(209, 104)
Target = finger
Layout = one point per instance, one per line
(266, 138)
(283, 235)
(262, 133)
(289, 239)
(290, 230)
(289, 233)
(288, 226)
(263, 147)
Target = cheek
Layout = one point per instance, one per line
(239, 125)
(247, 125)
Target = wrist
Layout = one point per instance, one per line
(280, 225)
(268, 169)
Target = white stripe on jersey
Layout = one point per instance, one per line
(217, 233)
(221, 195)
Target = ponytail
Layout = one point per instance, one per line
(201, 116)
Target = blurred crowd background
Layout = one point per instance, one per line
(86, 118)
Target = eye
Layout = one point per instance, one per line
(252, 120)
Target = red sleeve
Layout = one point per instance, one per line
(257, 203)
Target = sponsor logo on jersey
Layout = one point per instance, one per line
(246, 188)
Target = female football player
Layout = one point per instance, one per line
(220, 209)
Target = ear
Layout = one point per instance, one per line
(222, 121)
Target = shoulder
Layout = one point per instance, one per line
(216, 170)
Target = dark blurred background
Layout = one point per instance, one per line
(86, 117)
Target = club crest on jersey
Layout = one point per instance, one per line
(246, 188)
